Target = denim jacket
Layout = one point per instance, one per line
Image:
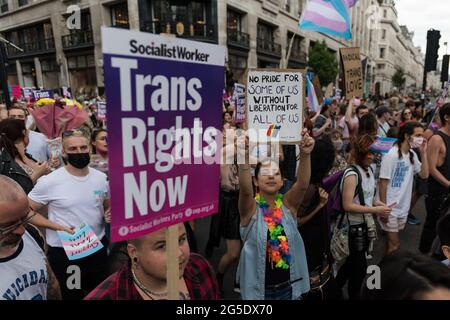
(251, 273)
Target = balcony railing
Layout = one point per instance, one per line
(121, 25)
(238, 39)
(36, 47)
(197, 31)
(268, 47)
(297, 55)
(78, 40)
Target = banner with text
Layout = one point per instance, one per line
(353, 75)
(101, 110)
(164, 103)
(275, 100)
(81, 244)
(42, 94)
(239, 102)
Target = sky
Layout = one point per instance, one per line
(420, 16)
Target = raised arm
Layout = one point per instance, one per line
(247, 205)
(294, 197)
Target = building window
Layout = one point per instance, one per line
(237, 62)
(265, 32)
(385, 13)
(23, 3)
(119, 16)
(382, 53)
(49, 65)
(380, 66)
(185, 18)
(3, 6)
(27, 68)
(287, 5)
(81, 62)
(234, 20)
(296, 50)
(383, 34)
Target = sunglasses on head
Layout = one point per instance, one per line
(71, 132)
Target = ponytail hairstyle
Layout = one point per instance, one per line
(407, 129)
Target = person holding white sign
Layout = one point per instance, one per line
(76, 195)
(273, 261)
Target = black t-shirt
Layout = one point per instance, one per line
(274, 275)
(315, 234)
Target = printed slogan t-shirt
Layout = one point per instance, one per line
(400, 173)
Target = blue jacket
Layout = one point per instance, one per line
(251, 273)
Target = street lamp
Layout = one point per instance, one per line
(3, 70)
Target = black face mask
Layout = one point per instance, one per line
(79, 160)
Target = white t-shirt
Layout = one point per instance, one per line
(401, 173)
(38, 147)
(368, 186)
(24, 274)
(383, 129)
(72, 201)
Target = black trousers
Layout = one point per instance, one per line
(435, 206)
(354, 272)
(92, 271)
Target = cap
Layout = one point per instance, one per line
(327, 101)
(381, 110)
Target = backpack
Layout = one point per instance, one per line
(332, 185)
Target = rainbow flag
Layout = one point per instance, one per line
(328, 16)
(273, 131)
(312, 97)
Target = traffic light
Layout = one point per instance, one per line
(431, 57)
(445, 63)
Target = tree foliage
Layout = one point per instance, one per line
(323, 63)
(398, 79)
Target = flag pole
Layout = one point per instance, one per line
(288, 55)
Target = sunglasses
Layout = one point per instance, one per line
(69, 133)
(8, 229)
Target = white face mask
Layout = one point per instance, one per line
(416, 142)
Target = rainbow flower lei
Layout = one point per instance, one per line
(277, 247)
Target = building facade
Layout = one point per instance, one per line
(396, 50)
(256, 34)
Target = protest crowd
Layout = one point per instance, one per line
(301, 221)
(180, 183)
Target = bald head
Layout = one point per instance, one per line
(13, 200)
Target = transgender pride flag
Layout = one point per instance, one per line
(328, 16)
(311, 96)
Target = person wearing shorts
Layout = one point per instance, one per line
(397, 172)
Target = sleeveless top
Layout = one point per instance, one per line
(24, 274)
(251, 273)
(434, 187)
